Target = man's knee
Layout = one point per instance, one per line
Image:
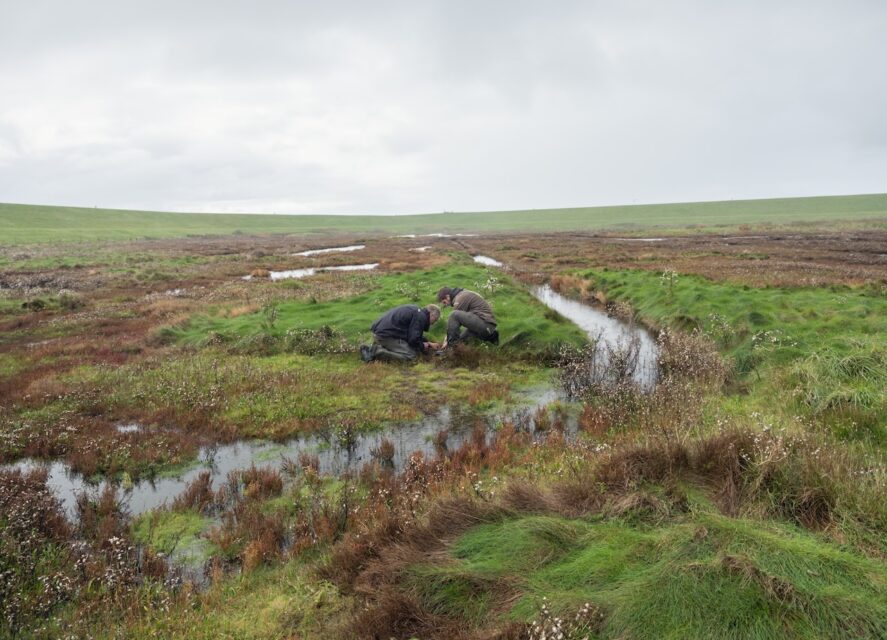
(388, 355)
(456, 319)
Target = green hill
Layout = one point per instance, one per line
(21, 224)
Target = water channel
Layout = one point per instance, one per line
(609, 333)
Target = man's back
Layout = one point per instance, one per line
(474, 303)
(395, 323)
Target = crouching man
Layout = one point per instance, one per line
(398, 334)
(472, 316)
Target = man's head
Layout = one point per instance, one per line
(445, 296)
(433, 313)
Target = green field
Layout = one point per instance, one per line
(23, 224)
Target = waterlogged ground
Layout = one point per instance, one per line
(224, 433)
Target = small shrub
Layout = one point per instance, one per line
(34, 304)
(69, 300)
(323, 340)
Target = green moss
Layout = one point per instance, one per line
(175, 534)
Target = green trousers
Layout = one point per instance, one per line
(392, 350)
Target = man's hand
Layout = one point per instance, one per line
(432, 345)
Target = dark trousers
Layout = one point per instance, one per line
(392, 350)
(464, 325)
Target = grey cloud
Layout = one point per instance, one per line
(404, 107)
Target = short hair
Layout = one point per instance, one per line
(433, 313)
(443, 293)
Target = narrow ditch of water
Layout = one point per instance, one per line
(608, 333)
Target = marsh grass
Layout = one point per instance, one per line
(822, 343)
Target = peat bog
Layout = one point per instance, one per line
(679, 434)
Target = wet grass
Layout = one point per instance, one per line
(281, 601)
(189, 399)
(283, 395)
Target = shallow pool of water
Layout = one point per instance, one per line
(437, 235)
(310, 271)
(487, 260)
(317, 252)
(335, 455)
(608, 331)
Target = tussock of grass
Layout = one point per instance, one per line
(708, 576)
(848, 378)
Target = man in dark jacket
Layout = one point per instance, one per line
(398, 334)
(470, 311)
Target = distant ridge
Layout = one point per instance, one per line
(23, 223)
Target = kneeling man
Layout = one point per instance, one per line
(470, 311)
(398, 334)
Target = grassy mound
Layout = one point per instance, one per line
(525, 324)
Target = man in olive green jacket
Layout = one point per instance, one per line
(472, 316)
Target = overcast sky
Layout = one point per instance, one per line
(390, 107)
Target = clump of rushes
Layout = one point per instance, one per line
(384, 453)
(261, 483)
(197, 496)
